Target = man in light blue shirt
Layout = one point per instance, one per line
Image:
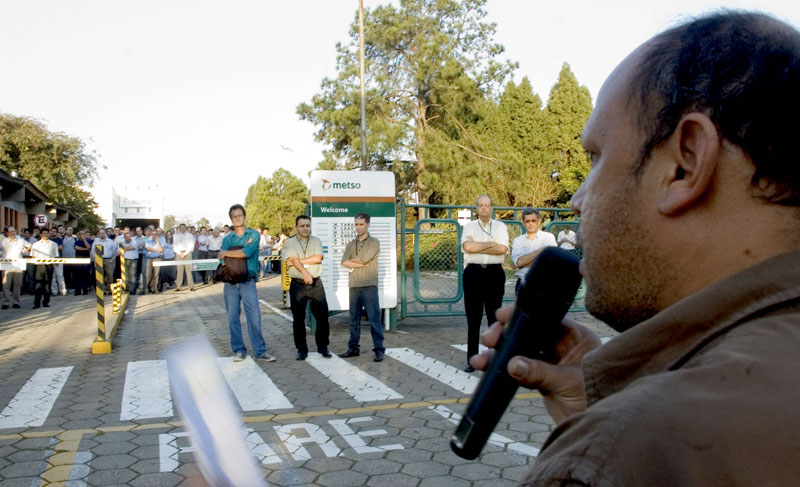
(154, 252)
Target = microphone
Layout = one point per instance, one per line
(544, 298)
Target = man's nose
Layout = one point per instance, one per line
(576, 203)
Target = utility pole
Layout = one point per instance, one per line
(363, 91)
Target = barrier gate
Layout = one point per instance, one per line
(431, 262)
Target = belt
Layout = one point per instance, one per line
(301, 281)
(485, 266)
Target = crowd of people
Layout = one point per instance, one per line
(139, 247)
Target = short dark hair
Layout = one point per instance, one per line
(742, 69)
(530, 211)
(301, 217)
(362, 216)
(237, 206)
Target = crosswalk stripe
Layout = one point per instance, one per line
(252, 387)
(146, 393)
(32, 404)
(360, 385)
(444, 373)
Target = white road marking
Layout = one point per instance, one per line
(360, 385)
(463, 348)
(497, 440)
(32, 404)
(252, 387)
(446, 374)
(275, 310)
(146, 393)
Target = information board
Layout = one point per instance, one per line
(336, 198)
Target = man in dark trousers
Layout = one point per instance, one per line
(485, 245)
(303, 255)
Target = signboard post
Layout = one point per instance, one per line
(336, 198)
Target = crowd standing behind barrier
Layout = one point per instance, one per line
(79, 278)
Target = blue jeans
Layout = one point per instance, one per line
(368, 298)
(246, 294)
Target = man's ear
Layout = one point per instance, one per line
(693, 149)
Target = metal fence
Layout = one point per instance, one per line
(431, 262)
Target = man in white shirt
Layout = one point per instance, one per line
(183, 244)
(202, 251)
(525, 248)
(485, 245)
(44, 248)
(567, 239)
(130, 251)
(13, 248)
(109, 256)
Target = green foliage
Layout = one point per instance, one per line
(437, 117)
(202, 222)
(170, 222)
(275, 202)
(418, 56)
(568, 109)
(56, 163)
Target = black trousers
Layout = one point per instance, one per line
(300, 294)
(43, 277)
(484, 287)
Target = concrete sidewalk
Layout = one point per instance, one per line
(109, 419)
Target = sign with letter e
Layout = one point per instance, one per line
(40, 220)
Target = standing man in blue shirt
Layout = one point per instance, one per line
(246, 242)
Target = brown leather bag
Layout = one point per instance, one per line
(231, 270)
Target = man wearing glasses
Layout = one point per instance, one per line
(242, 243)
(525, 248)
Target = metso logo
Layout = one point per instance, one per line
(326, 185)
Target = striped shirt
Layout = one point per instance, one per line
(366, 250)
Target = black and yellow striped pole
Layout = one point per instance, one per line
(116, 296)
(101, 344)
(122, 272)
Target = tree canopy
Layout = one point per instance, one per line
(275, 202)
(441, 115)
(418, 56)
(58, 164)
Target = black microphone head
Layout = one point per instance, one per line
(555, 276)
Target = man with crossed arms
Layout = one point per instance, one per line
(303, 255)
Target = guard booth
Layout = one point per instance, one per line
(336, 198)
(431, 261)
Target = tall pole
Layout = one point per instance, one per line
(363, 90)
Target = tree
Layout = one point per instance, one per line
(567, 111)
(203, 222)
(56, 163)
(275, 202)
(170, 222)
(417, 57)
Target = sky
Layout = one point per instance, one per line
(198, 98)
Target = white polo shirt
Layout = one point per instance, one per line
(494, 231)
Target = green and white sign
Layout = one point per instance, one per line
(336, 197)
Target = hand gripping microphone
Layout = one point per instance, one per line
(535, 328)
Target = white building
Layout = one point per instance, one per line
(137, 206)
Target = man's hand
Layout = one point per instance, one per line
(561, 384)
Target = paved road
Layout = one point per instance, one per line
(70, 418)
